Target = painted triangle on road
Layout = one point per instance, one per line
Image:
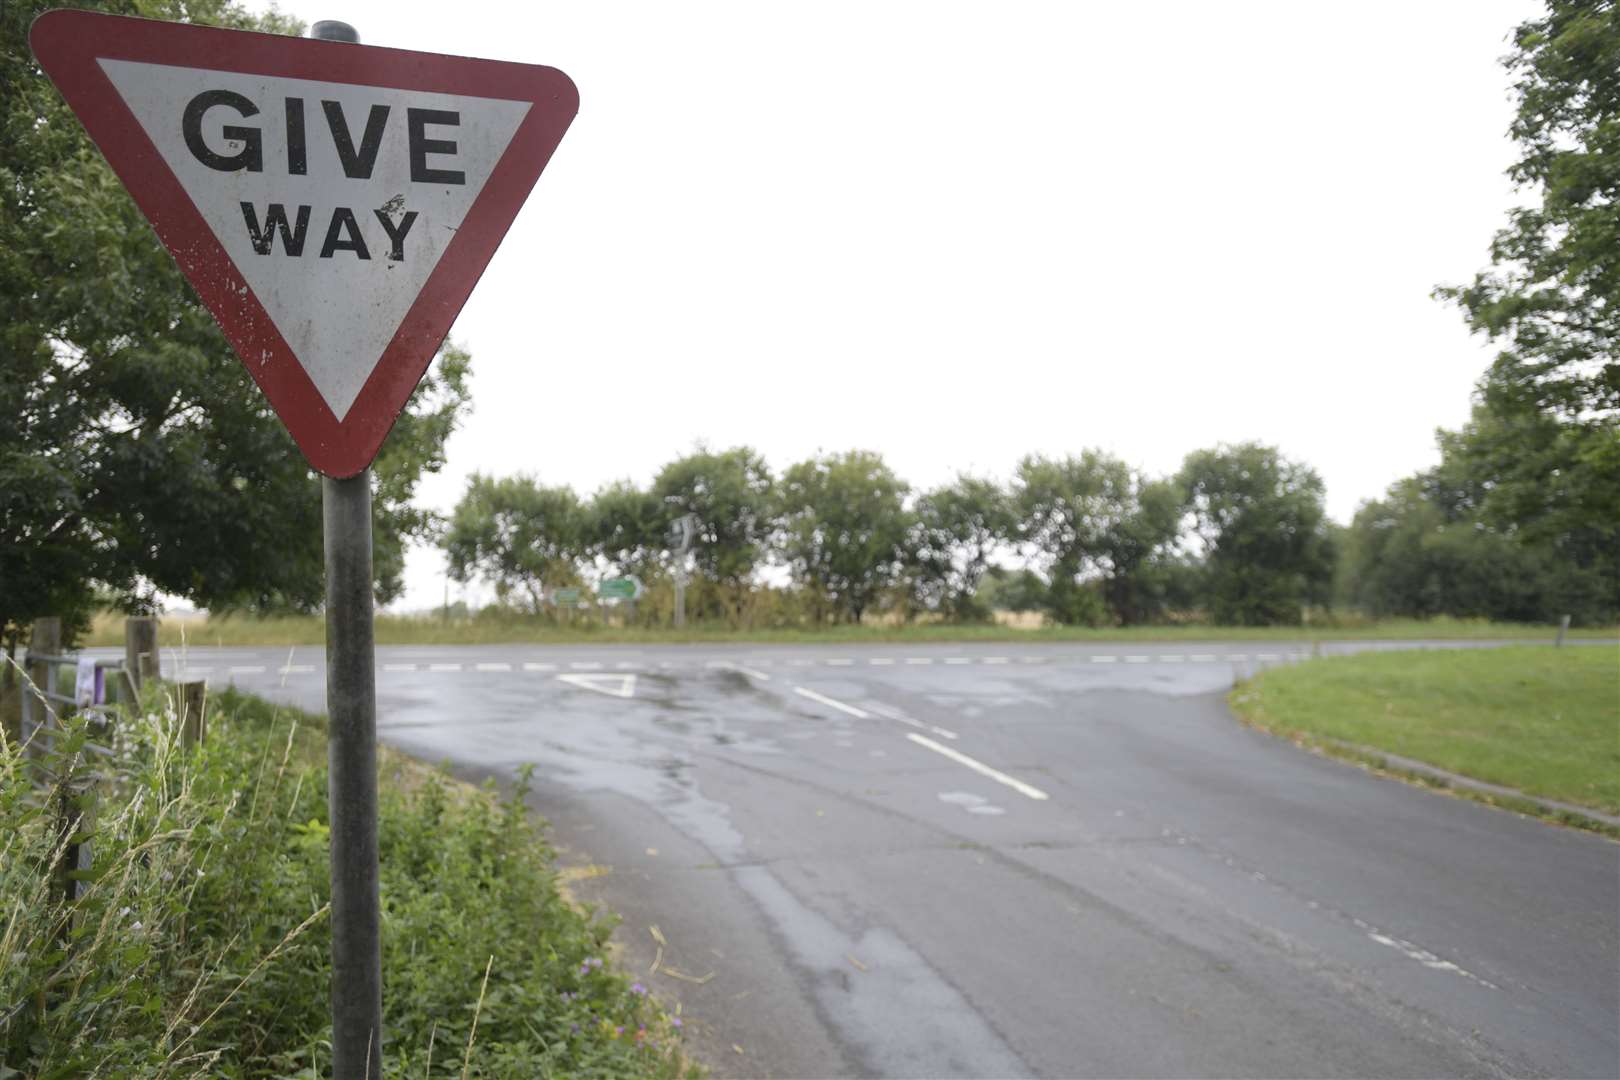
(619, 686)
(333, 205)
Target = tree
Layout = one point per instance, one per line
(137, 458)
(956, 530)
(518, 535)
(1096, 526)
(626, 527)
(843, 528)
(729, 493)
(1543, 447)
(1264, 530)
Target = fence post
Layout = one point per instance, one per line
(140, 648)
(193, 724)
(44, 640)
(1563, 628)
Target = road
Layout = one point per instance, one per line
(1011, 860)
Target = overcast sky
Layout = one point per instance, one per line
(959, 233)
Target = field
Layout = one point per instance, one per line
(1543, 721)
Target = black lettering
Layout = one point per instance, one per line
(297, 159)
(396, 236)
(344, 217)
(357, 165)
(275, 217)
(417, 121)
(250, 157)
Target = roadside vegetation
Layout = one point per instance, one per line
(496, 626)
(1545, 722)
(199, 943)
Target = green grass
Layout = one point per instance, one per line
(288, 631)
(1543, 721)
(200, 944)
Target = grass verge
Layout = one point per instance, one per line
(1545, 722)
(503, 628)
(199, 944)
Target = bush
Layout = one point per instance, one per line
(199, 942)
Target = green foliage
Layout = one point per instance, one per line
(956, 530)
(519, 535)
(136, 454)
(843, 528)
(730, 495)
(199, 944)
(1265, 532)
(626, 527)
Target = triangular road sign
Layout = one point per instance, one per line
(621, 686)
(332, 204)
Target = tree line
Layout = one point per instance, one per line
(1239, 535)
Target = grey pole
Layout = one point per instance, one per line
(351, 750)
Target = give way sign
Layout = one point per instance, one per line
(332, 204)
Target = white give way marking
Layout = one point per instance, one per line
(619, 686)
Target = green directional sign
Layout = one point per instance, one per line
(623, 588)
(571, 596)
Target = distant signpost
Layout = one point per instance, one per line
(623, 588)
(569, 597)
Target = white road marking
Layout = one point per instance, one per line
(801, 663)
(1237, 657)
(859, 714)
(981, 768)
(1104, 659)
(944, 733)
(494, 667)
(1033, 660)
(1267, 656)
(958, 660)
(994, 660)
(197, 670)
(839, 663)
(399, 667)
(1172, 658)
(586, 665)
(529, 665)
(1137, 659)
(248, 669)
(619, 686)
(296, 669)
(919, 659)
(881, 661)
(1203, 658)
(625, 665)
(1425, 957)
(444, 667)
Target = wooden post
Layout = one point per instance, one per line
(44, 640)
(193, 722)
(1563, 628)
(141, 648)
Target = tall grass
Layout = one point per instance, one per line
(197, 941)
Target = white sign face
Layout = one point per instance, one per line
(335, 201)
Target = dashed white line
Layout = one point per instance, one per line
(197, 670)
(881, 661)
(859, 714)
(1033, 660)
(1237, 657)
(248, 669)
(981, 768)
(958, 660)
(444, 667)
(919, 660)
(586, 665)
(1425, 957)
(840, 663)
(1103, 659)
(995, 660)
(296, 669)
(530, 665)
(625, 665)
(1267, 656)
(1172, 658)
(495, 667)
(1203, 658)
(399, 667)
(727, 665)
(1137, 659)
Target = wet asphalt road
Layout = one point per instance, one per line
(1003, 860)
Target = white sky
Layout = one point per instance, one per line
(958, 233)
